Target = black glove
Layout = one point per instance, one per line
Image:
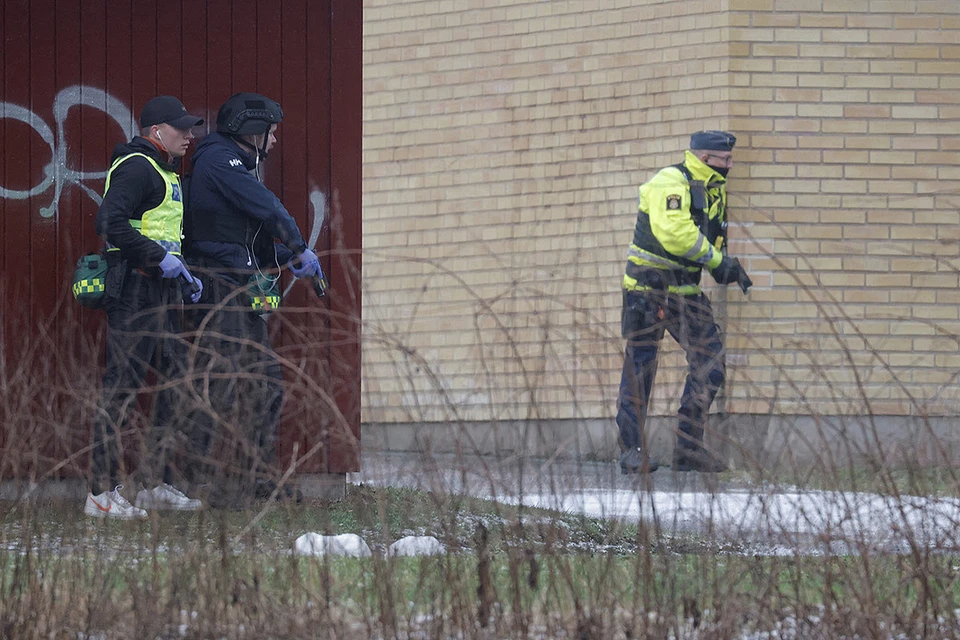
(730, 271)
(744, 281)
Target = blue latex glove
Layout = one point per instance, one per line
(190, 286)
(172, 267)
(195, 296)
(309, 264)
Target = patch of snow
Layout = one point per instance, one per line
(857, 518)
(345, 544)
(416, 546)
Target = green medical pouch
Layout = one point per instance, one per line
(264, 293)
(90, 280)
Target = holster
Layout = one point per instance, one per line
(642, 315)
(117, 269)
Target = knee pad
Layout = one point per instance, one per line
(716, 377)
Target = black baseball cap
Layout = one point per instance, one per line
(167, 110)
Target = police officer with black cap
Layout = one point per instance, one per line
(681, 229)
(141, 221)
(234, 223)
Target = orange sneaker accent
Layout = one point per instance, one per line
(104, 509)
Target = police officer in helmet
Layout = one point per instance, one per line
(241, 237)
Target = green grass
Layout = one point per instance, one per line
(380, 515)
(516, 570)
(522, 587)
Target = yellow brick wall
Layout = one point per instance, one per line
(503, 143)
(848, 114)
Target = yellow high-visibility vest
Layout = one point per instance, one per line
(164, 223)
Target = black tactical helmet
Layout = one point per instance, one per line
(248, 114)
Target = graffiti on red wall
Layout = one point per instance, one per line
(57, 174)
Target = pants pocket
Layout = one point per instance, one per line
(641, 317)
(116, 275)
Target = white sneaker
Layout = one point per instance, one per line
(110, 504)
(168, 497)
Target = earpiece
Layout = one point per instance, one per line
(159, 137)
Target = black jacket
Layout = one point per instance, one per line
(135, 187)
(232, 218)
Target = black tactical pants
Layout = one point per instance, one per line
(143, 336)
(689, 319)
(239, 392)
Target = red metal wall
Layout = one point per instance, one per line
(73, 76)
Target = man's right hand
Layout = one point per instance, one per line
(729, 271)
(172, 267)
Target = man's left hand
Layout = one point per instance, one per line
(191, 287)
(195, 296)
(744, 281)
(729, 271)
(305, 265)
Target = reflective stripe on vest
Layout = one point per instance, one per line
(638, 258)
(164, 223)
(686, 290)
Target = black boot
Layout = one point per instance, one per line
(288, 492)
(690, 454)
(226, 495)
(698, 459)
(633, 461)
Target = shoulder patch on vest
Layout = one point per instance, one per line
(673, 202)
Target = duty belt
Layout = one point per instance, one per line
(660, 279)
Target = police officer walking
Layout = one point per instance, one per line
(234, 220)
(681, 229)
(141, 220)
